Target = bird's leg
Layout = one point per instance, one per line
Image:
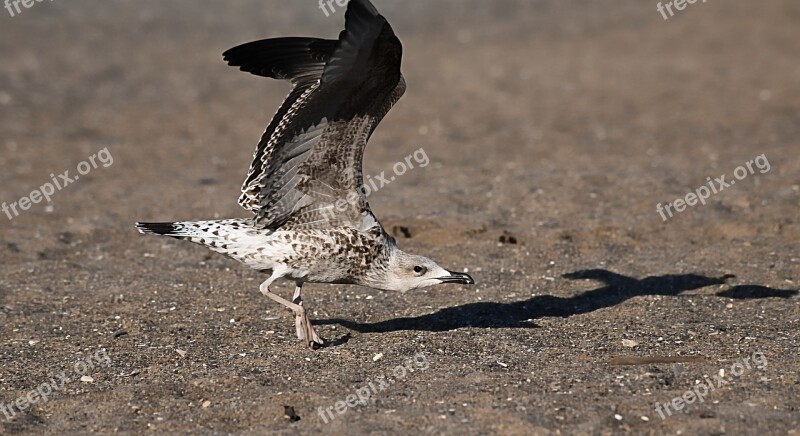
(305, 332)
(298, 319)
(311, 337)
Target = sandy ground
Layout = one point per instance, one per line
(556, 126)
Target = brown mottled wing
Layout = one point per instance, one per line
(300, 60)
(307, 168)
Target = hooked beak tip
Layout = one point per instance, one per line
(457, 277)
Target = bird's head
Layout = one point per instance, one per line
(408, 271)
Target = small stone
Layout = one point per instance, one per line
(629, 343)
(206, 404)
(401, 230)
(618, 417)
(290, 414)
(87, 379)
(377, 357)
(507, 238)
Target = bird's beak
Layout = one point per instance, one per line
(455, 277)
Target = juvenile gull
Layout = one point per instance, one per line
(309, 160)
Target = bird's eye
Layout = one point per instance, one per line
(420, 269)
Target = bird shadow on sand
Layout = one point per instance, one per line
(520, 314)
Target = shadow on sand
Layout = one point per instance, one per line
(520, 314)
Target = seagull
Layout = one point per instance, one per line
(311, 220)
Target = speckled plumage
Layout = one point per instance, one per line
(341, 255)
(309, 160)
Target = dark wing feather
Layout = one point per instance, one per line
(299, 60)
(310, 156)
(295, 59)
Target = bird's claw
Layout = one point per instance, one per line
(305, 331)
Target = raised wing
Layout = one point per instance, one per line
(306, 171)
(300, 60)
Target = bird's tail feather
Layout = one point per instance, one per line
(196, 231)
(166, 229)
(233, 237)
